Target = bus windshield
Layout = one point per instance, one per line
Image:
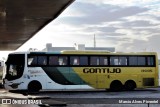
(14, 66)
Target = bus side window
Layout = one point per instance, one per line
(114, 61)
(63, 60)
(78, 60)
(42, 60)
(83, 60)
(137, 60)
(133, 60)
(53, 60)
(150, 61)
(32, 60)
(122, 61)
(141, 61)
(74, 60)
(94, 60)
(103, 61)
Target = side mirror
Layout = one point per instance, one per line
(6, 62)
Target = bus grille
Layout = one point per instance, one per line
(148, 81)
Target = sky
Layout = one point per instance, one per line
(127, 25)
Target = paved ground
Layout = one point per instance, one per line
(98, 98)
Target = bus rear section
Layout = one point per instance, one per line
(135, 72)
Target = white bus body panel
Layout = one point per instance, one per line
(37, 73)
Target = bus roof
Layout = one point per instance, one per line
(89, 52)
(108, 53)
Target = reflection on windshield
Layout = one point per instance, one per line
(30, 60)
(13, 70)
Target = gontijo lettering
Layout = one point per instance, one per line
(101, 70)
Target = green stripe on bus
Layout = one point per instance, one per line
(71, 75)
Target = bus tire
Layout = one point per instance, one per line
(116, 85)
(130, 85)
(34, 86)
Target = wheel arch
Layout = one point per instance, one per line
(116, 85)
(131, 81)
(34, 84)
(130, 85)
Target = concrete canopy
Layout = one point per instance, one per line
(21, 19)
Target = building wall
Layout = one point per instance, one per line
(50, 48)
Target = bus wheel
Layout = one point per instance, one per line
(130, 85)
(34, 86)
(116, 86)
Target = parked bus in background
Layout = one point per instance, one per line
(34, 71)
(1, 71)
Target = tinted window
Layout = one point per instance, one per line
(83, 60)
(78, 60)
(137, 60)
(133, 60)
(113, 60)
(74, 60)
(122, 61)
(53, 60)
(42, 60)
(15, 66)
(63, 60)
(141, 61)
(58, 60)
(150, 61)
(32, 60)
(95, 60)
(103, 61)
(118, 60)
